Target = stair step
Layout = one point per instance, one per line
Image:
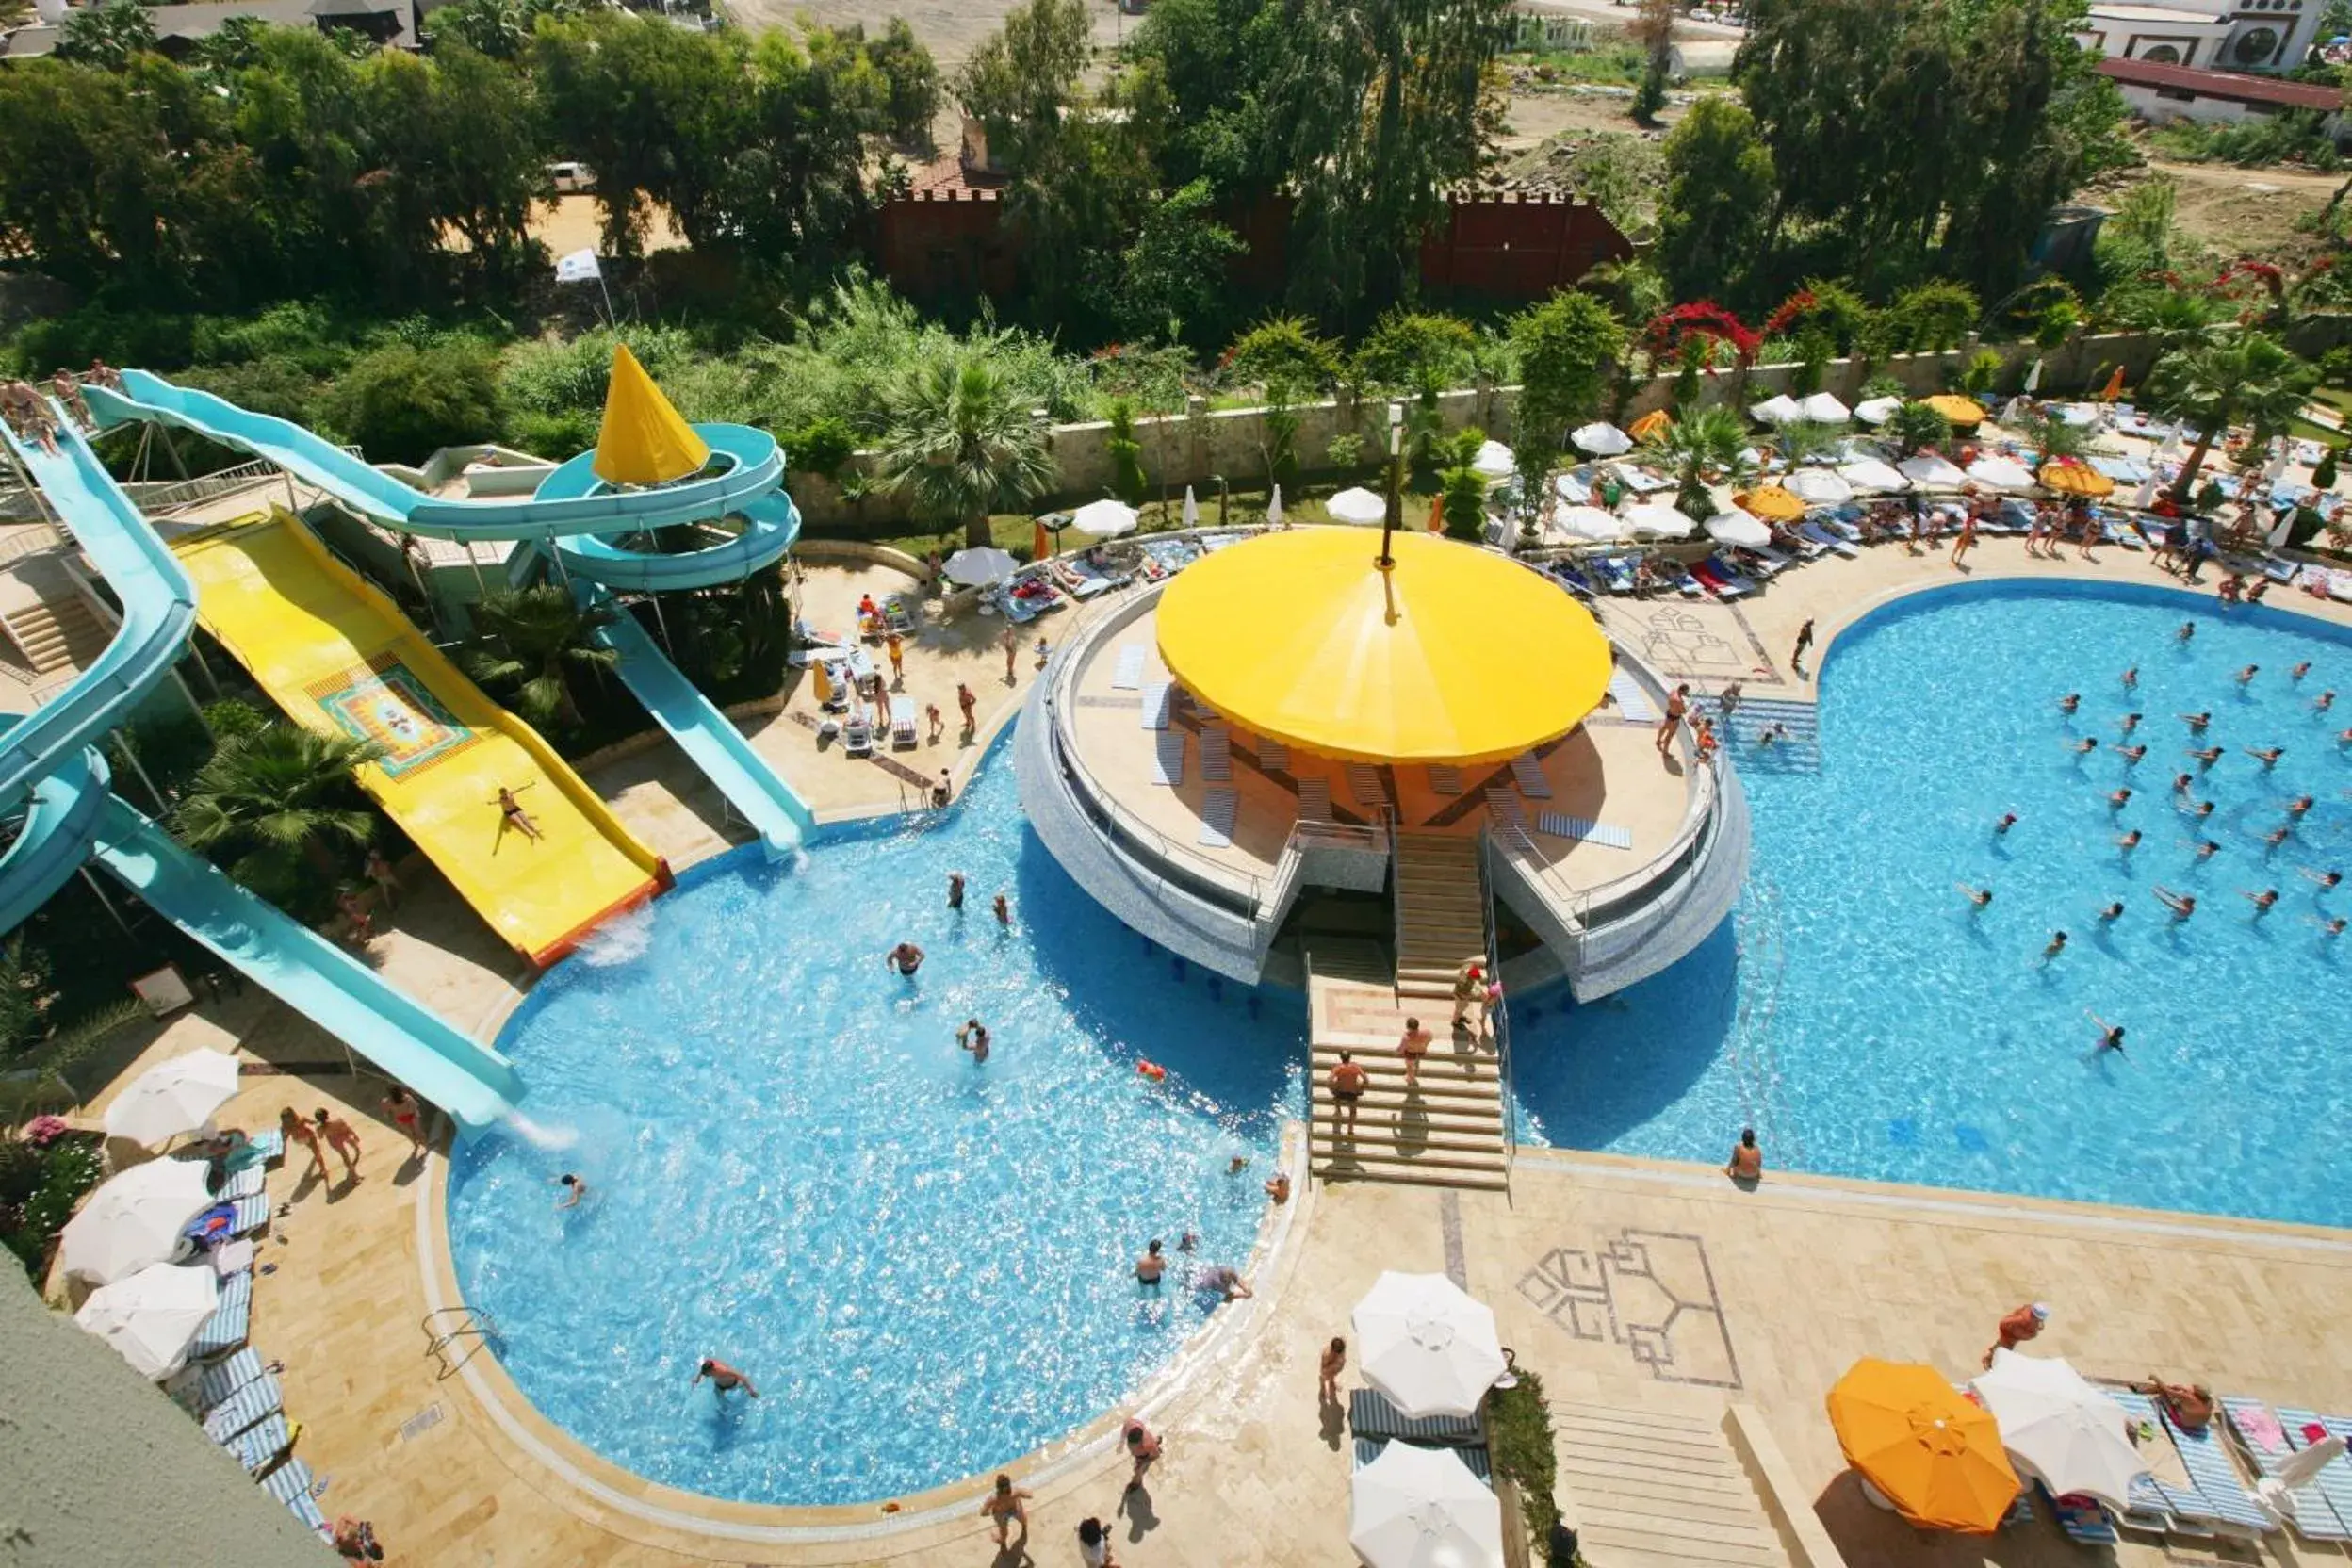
(1367, 1161)
(1439, 1123)
(1464, 1180)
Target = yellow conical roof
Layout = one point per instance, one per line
(642, 440)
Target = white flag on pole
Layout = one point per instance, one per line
(579, 267)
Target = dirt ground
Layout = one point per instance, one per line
(2246, 211)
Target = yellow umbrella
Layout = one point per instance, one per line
(2114, 388)
(643, 439)
(1958, 410)
(1453, 655)
(1772, 503)
(1655, 422)
(2069, 478)
(821, 682)
(1039, 547)
(1934, 1455)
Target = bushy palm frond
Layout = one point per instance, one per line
(960, 442)
(1914, 427)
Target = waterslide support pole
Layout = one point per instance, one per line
(177, 467)
(203, 664)
(102, 899)
(663, 622)
(122, 749)
(480, 586)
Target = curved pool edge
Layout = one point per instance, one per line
(603, 1494)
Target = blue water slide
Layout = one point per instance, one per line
(305, 972)
(52, 842)
(158, 612)
(707, 737)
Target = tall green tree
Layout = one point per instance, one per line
(2247, 379)
(1568, 347)
(107, 36)
(1719, 185)
(531, 640)
(276, 805)
(958, 442)
(1914, 427)
(1173, 280)
(1703, 441)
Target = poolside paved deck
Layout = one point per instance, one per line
(1626, 1284)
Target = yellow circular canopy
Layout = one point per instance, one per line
(1958, 410)
(1455, 655)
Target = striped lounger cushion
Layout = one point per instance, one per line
(271, 1143)
(290, 1483)
(1216, 753)
(1156, 704)
(2264, 1437)
(227, 1326)
(257, 1445)
(1475, 1459)
(1583, 830)
(1527, 773)
(240, 1409)
(251, 1215)
(2335, 1480)
(1444, 780)
(1364, 782)
(1128, 674)
(1314, 800)
(1168, 758)
(1273, 756)
(2217, 1480)
(1216, 818)
(245, 1184)
(1371, 1414)
(221, 1381)
(2182, 1508)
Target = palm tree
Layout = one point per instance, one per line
(1709, 439)
(958, 439)
(2249, 379)
(1805, 438)
(1914, 427)
(276, 801)
(2050, 436)
(529, 637)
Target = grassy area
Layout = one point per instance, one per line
(1607, 62)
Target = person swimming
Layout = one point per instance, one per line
(2188, 630)
(2111, 914)
(2070, 703)
(2084, 746)
(2326, 880)
(2057, 944)
(2246, 677)
(2129, 841)
(2008, 819)
(2299, 806)
(2110, 1034)
(2182, 783)
(1978, 897)
(2196, 721)
(2182, 904)
(905, 958)
(2261, 901)
(2117, 800)
(2206, 757)
(1150, 1266)
(2131, 722)
(973, 1037)
(2267, 756)
(2130, 755)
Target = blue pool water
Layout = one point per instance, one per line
(1869, 1025)
(923, 1264)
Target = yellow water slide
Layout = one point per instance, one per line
(339, 656)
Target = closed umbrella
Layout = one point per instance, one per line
(2001, 473)
(2145, 496)
(1931, 472)
(1273, 509)
(1869, 473)
(1602, 439)
(1657, 520)
(980, 566)
(1588, 523)
(1775, 503)
(1732, 526)
(1192, 508)
(1876, 411)
(133, 1220)
(173, 1097)
(1495, 460)
(1935, 1456)
(1426, 1345)
(1104, 520)
(151, 1317)
(821, 682)
(1655, 423)
(2055, 1424)
(1819, 487)
(1356, 505)
(1422, 1508)
(1822, 409)
(1780, 409)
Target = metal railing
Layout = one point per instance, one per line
(1498, 1019)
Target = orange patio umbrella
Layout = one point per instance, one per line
(1655, 422)
(2114, 388)
(2069, 478)
(1038, 545)
(1772, 503)
(1437, 515)
(1930, 1452)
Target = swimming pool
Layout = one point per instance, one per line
(1869, 1025)
(923, 1264)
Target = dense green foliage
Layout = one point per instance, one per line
(528, 642)
(959, 443)
(1519, 1436)
(2244, 378)
(280, 809)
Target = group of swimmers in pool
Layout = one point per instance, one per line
(905, 958)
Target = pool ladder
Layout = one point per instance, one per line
(445, 1326)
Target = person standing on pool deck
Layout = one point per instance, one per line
(905, 958)
(725, 1380)
(971, 705)
(1347, 1083)
(973, 1037)
(1415, 1046)
(1094, 1544)
(339, 1137)
(1005, 1505)
(1677, 703)
(406, 1115)
(2020, 1325)
(1141, 1446)
(1334, 1362)
(1805, 641)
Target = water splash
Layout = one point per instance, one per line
(619, 941)
(553, 1140)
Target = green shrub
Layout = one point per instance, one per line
(1984, 370)
(1465, 492)
(234, 719)
(402, 404)
(820, 447)
(1345, 452)
(1128, 481)
(2323, 471)
(277, 385)
(2335, 367)
(39, 1189)
(554, 435)
(1519, 1434)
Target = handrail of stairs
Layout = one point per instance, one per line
(1498, 1019)
(1395, 898)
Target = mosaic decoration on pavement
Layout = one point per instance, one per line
(1651, 1291)
(384, 701)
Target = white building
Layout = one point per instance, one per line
(2216, 34)
(2158, 92)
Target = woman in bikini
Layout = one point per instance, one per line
(298, 1131)
(406, 1115)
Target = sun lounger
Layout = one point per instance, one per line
(1685, 582)
(901, 732)
(1370, 1414)
(247, 1406)
(1156, 703)
(2232, 1507)
(221, 1381)
(2115, 533)
(1820, 535)
(1632, 701)
(1574, 580)
(1273, 756)
(1167, 759)
(2278, 571)
(858, 735)
(1019, 611)
(250, 1215)
(1767, 562)
(2262, 1436)
(897, 615)
(2156, 1506)
(245, 1184)
(1720, 576)
(256, 1447)
(1216, 754)
(1127, 674)
(1526, 771)
(2086, 1523)
(1583, 830)
(1615, 574)
(1314, 799)
(291, 1484)
(1474, 1459)
(2335, 1482)
(225, 1329)
(1445, 779)
(271, 1143)
(1216, 818)
(1364, 782)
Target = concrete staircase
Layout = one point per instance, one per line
(1441, 913)
(1647, 1489)
(1795, 726)
(56, 634)
(1445, 1131)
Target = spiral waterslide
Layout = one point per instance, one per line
(53, 784)
(581, 521)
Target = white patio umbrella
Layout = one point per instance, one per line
(1273, 509)
(1588, 523)
(1817, 487)
(1495, 460)
(978, 567)
(2034, 379)
(1192, 508)
(173, 1097)
(1876, 411)
(1779, 409)
(134, 1219)
(1657, 520)
(1104, 520)
(1822, 409)
(1422, 1508)
(2056, 1424)
(1356, 505)
(1602, 439)
(2001, 473)
(1931, 472)
(2145, 496)
(1869, 473)
(1426, 1345)
(1732, 526)
(151, 1317)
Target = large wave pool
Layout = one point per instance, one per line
(923, 1264)
(1868, 1023)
